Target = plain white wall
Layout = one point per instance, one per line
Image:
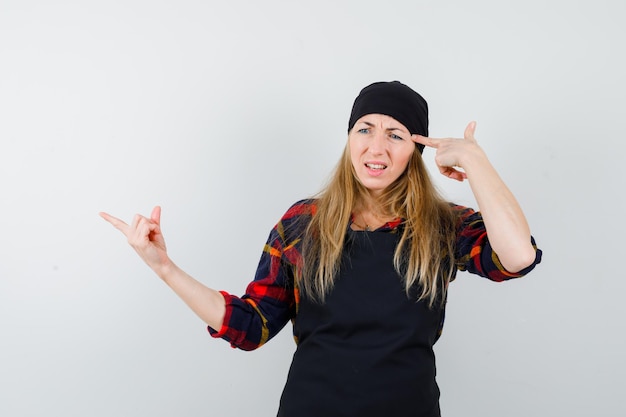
(225, 113)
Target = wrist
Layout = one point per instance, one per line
(166, 270)
(474, 161)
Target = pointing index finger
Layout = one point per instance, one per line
(117, 223)
(424, 140)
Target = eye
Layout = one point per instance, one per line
(364, 130)
(395, 137)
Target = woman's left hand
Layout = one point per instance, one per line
(505, 222)
(453, 153)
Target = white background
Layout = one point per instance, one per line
(225, 113)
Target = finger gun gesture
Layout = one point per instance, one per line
(453, 153)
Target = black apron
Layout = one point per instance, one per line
(367, 351)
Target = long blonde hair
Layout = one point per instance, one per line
(425, 252)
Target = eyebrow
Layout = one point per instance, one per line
(392, 128)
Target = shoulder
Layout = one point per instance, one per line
(463, 212)
(293, 224)
(301, 208)
(458, 208)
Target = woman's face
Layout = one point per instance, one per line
(380, 149)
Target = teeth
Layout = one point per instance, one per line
(375, 166)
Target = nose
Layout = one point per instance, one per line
(378, 143)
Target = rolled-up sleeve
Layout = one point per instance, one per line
(270, 299)
(474, 252)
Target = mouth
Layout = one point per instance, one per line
(376, 167)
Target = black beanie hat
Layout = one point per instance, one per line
(396, 100)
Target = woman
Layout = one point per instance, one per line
(362, 270)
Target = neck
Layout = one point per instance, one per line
(369, 217)
(369, 205)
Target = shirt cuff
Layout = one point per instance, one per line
(222, 331)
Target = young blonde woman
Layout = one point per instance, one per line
(362, 270)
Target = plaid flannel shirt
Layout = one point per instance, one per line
(272, 298)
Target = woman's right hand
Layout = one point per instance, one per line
(144, 235)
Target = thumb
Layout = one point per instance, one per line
(469, 131)
(155, 216)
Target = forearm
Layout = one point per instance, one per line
(507, 228)
(207, 303)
